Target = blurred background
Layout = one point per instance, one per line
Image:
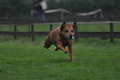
(22, 8)
(85, 12)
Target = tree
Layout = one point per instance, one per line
(16, 8)
(13, 8)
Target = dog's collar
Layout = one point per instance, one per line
(63, 37)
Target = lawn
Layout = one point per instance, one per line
(95, 59)
(81, 27)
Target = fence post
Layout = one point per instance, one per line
(111, 30)
(15, 31)
(51, 26)
(76, 31)
(32, 31)
(29, 27)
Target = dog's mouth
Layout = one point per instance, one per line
(69, 37)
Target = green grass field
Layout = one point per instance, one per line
(95, 59)
(81, 27)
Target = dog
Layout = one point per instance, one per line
(61, 37)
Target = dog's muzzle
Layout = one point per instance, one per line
(69, 37)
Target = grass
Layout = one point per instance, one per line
(98, 27)
(81, 27)
(95, 59)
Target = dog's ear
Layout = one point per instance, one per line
(74, 25)
(62, 26)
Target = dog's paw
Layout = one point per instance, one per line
(66, 52)
(45, 47)
(55, 48)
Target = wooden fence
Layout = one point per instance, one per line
(109, 35)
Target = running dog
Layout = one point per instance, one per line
(61, 37)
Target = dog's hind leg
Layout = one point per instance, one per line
(48, 43)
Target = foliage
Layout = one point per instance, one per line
(13, 8)
(108, 6)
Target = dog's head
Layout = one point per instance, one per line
(67, 30)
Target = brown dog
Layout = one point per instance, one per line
(61, 37)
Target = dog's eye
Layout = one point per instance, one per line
(66, 31)
(71, 30)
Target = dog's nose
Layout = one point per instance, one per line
(70, 36)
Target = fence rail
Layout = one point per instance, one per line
(104, 35)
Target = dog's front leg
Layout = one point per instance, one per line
(71, 51)
(62, 48)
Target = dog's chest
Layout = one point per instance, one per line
(65, 42)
